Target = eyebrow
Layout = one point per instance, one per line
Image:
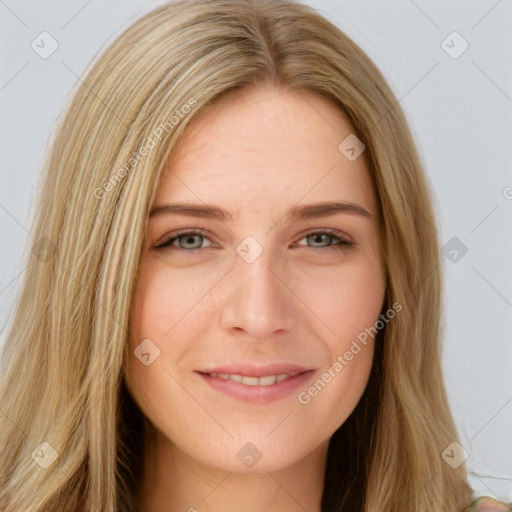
(309, 211)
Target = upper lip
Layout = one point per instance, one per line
(258, 370)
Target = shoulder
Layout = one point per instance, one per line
(487, 504)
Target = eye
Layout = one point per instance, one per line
(187, 240)
(192, 241)
(327, 240)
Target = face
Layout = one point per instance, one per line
(249, 294)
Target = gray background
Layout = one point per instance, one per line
(460, 110)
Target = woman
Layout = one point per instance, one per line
(290, 360)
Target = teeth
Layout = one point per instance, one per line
(267, 380)
(250, 381)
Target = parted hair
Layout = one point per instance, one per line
(64, 357)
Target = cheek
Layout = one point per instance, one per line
(157, 314)
(356, 301)
(169, 309)
(165, 300)
(160, 331)
(346, 299)
(349, 303)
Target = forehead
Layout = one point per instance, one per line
(260, 149)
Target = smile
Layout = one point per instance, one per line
(267, 380)
(264, 388)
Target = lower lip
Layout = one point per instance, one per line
(258, 393)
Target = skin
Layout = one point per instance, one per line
(257, 153)
(487, 504)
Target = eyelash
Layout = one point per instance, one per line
(168, 241)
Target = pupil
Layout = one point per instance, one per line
(190, 239)
(319, 238)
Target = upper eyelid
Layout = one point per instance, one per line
(335, 233)
(176, 234)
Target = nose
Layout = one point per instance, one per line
(259, 301)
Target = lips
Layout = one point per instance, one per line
(256, 383)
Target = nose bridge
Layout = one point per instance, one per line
(258, 301)
(255, 263)
(260, 277)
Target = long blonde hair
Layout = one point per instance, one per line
(62, 393)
